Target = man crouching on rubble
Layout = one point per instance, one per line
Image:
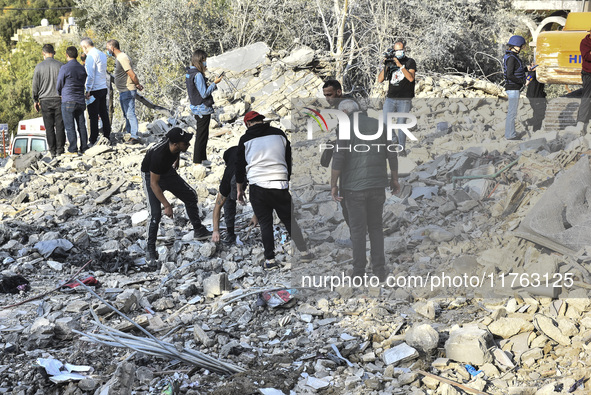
(159, 175)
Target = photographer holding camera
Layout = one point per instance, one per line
(399, 70)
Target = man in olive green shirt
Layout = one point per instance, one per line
(127, 84)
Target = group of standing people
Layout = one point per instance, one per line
(62, 93)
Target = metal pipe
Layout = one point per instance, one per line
(487, 176)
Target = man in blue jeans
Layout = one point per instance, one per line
(70, 86)
(127, 84)
(399, 71)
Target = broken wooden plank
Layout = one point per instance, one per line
(454, 383)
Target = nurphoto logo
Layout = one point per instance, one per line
(344, 128)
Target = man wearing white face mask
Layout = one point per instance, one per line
(401, 86)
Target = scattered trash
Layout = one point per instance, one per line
(276, 298)
(90, 280)
(472, 370)
(57, 248)
(576, 385)
(60, 373)
(14, 284)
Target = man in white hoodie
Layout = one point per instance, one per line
(264, 158)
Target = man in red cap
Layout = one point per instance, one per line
(585, 107)
(159, 175)
(264, 158)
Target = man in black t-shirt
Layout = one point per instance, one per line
(401, 87)
(159, 175)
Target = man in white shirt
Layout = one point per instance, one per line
(96, 90)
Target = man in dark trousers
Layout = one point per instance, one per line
(226, 198)
(585, 107)
(333, 93)
(364, 175)
(96, 87)
(70, 86)
(159, 175)
(48, 101)
(537, 99)
(264, 158)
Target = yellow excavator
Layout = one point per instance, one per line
(558, 53)
(558, 59)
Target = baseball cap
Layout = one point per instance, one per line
(249, 116)
(178, 135)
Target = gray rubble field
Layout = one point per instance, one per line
(505, 221)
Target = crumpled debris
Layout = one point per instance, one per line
(61, 373)
(56, 248)
(172, 385)
(90, 280)
(276, 298)
(14, 284)
(472, 370)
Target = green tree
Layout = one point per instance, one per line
(16, 76)
(11, 20)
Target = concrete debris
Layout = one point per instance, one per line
(469, 345)
(520, 314)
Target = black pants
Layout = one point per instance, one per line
(230, 206)
(263, 202)
(538, 106)
(201, 138)
(585, 107)
(51, 110)
(99, 108)
(174, 183)
(365, 216)
(230, 214)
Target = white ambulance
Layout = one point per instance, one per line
(30, 136)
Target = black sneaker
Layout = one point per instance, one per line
(270, 264)
(152, 260)
(134, 141)
(307, 257)
(229, 239)
(202, 233)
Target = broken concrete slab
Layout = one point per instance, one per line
(469, 344)
(560, 218)
(240, 59)
(400, 353)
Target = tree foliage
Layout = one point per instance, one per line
(16, 76)
(443, 36)
(11, 20)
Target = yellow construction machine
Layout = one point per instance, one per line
(558, 53)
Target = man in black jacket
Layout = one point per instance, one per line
(361, 165)
(264, 158)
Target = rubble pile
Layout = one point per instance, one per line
(471, 203)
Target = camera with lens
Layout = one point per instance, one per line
(390, 66)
